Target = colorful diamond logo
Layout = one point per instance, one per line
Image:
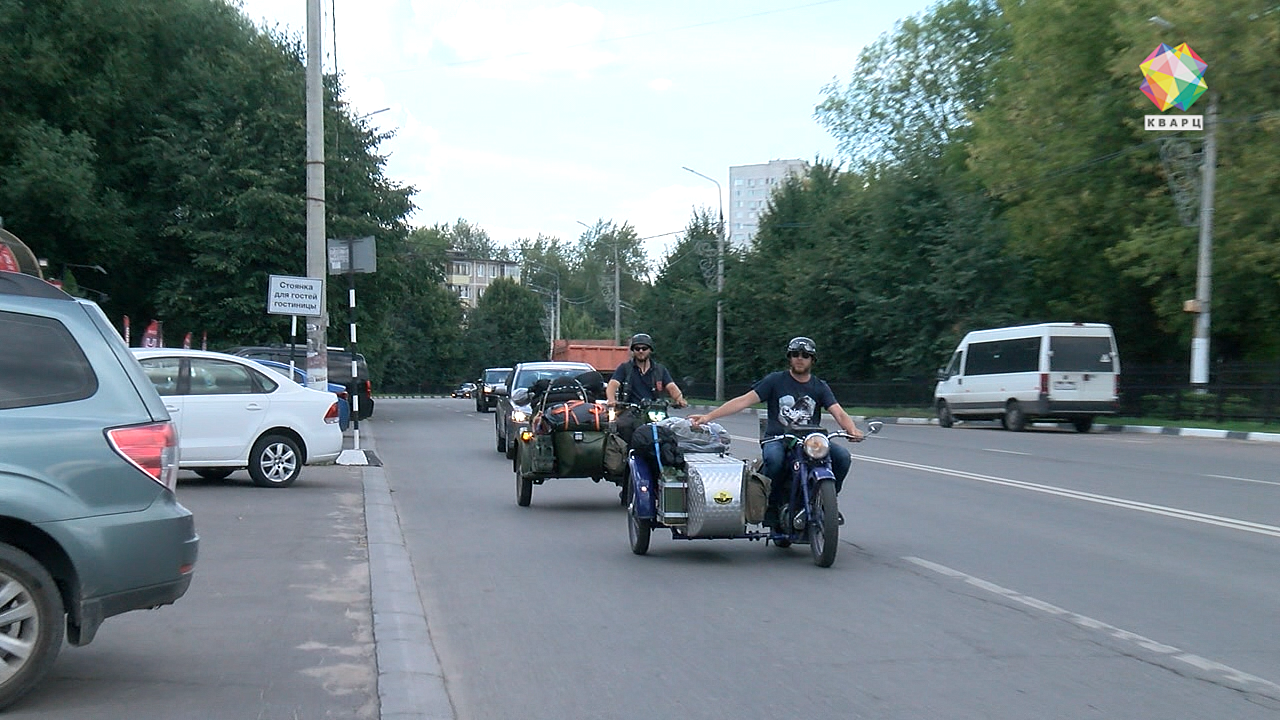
(1173, 77)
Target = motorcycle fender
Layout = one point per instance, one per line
(643, 487)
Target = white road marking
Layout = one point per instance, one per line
(1006, 452)
(1166, 655)
(1191, 515)
(1229, 477)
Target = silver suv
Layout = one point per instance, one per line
(89, 523)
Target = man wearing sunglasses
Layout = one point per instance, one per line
(794, 396)
(640, 379)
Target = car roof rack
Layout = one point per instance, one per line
(12, 283)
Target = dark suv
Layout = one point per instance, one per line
(489, 379)
(89, 523)
(339, 367)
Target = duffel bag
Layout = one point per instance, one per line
(576, 415)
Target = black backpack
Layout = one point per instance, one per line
(663, 453)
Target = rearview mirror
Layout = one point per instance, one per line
(520, 396)
(874, 426)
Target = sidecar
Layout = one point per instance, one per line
(711, 495)
(566, 437)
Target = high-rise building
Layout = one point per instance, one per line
(750, 187)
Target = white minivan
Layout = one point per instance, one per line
(1063, 372)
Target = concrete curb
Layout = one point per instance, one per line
(411, 684)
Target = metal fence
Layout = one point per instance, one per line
(1236, 391)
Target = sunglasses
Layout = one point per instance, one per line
(800, 354)
(640, 347)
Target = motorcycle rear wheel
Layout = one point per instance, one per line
(524, 485)
(824, 525)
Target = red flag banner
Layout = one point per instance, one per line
(151, 338)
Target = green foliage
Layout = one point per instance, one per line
(505, 327)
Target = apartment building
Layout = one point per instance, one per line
(749, 189)
(469, 277)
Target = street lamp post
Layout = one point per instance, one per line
(719, 289)
(617, 288)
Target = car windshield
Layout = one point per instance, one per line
(527, 378)
(496, 376)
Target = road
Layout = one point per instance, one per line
(984, 574)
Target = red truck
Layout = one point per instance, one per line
(602, 355)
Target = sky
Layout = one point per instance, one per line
(534, 118)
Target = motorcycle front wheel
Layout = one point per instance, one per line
(638, 530)
(824, 525)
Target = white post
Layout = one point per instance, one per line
(1204, 264)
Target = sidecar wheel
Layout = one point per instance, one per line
(824, 535)
(638, 530)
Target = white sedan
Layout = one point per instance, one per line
(233, 413)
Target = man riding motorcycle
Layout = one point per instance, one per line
(794, 396)
(638, 380)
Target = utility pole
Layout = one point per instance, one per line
(1204, 264)
(317, 363)
(617, 296)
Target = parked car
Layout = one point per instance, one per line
(90, 525)
(300, 376)
(510, 415)
(233, 413)
(465, 390)
(339, 369)
(490, 379)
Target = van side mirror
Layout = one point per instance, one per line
(942, 374)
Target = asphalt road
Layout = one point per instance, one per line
(982, 574)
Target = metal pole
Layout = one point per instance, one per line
(617, 296)
(1204, 264)
(318, 364)
(719, 288)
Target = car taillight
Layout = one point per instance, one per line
(1044, 383)
(152, 448)
(332, 415)
(368, 388)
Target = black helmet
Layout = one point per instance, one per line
(641, 339)
(802, 344)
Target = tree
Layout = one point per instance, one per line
(505, 326)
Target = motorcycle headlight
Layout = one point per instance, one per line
(657, 416)
(519, 416)
(817, 446)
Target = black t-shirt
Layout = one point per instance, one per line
(642, 386)
(792, 402)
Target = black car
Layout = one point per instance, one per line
(465, 390)
(510, 416)
(339, 368)
(491, 378)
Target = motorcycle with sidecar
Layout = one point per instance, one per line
(568, 435)
(714, 495)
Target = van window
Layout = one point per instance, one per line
(1080, 354)
(1003, 356)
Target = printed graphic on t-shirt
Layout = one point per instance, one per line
(796, 412)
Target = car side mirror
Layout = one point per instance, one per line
(500, 390)
(520, 396)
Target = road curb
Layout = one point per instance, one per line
(411, 684)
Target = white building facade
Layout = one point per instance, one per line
(750, 187)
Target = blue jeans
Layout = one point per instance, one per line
(774, 455)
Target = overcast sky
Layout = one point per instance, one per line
(528, 117)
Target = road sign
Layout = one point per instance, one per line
(294, 295)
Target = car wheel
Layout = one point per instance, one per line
(512, 442)
(945, 418)
(275, 461)
(1084, 424)
(214, 474)
(497, 431)
(33, 623)
(1014, 418)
